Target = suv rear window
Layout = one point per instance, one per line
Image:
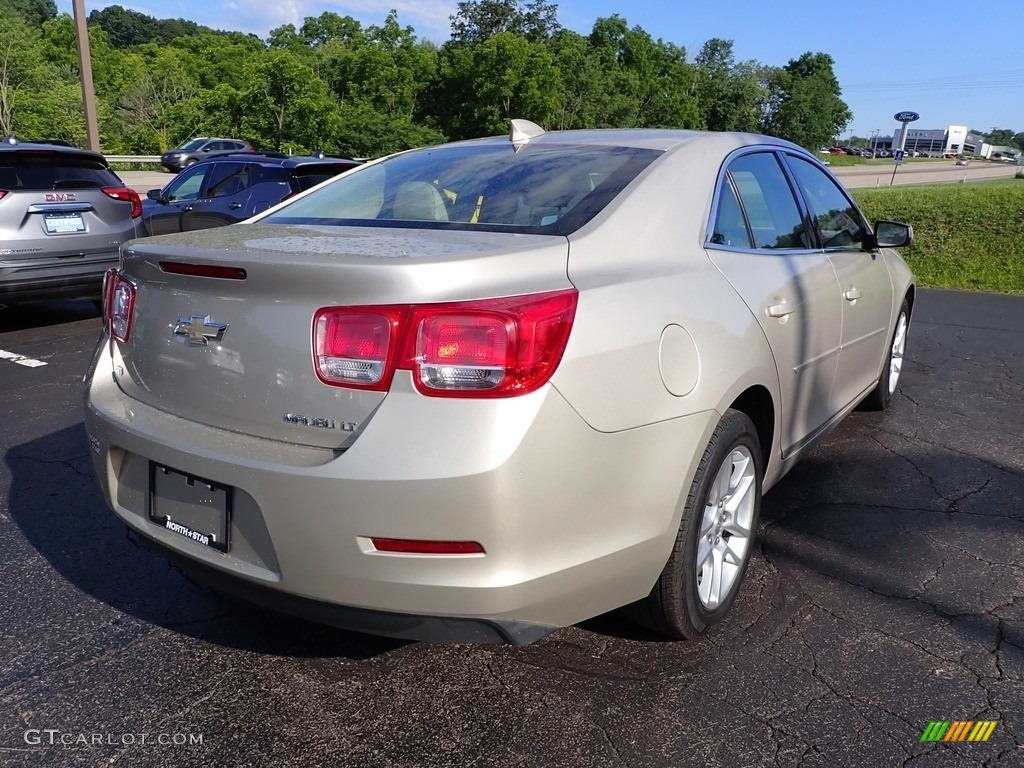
(533, 189)
(53, 170)
(308, 176)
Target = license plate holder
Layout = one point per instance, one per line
(63, 223)
(190, 506)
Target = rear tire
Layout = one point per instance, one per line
(881, 396)
(702, 577)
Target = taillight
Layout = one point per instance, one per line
(118, 305)
(357, 347)
(2, 193)
(128, 195)
(488, 348)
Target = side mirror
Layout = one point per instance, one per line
(893, 234)
(156, 194)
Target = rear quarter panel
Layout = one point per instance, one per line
(640, 268)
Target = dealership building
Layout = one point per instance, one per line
(953, 140)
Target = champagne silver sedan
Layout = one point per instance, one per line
(480, 391)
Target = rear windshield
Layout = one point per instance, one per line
(538, 189)
(51, 170)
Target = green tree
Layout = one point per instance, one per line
(330, 26)
(125, 27)
(484, 85)
(804, 103)
(286, 106)
(35, 12)
(38, 99)
(477, 20)
(731, 96)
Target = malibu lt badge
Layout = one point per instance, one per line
(198, 330)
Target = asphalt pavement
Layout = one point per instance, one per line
(887, 592)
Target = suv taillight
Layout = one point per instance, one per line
(128, 195)
(488, 348)
(118, 305)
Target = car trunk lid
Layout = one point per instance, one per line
(235, 350)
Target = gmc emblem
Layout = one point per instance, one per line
(59, 197)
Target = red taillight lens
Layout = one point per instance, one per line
(489, 348)
(118, 305)
(427, 547)
(462, 352)
(356, 347)
(2, 193)
(128, 195)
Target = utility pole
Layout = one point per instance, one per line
(92, 131)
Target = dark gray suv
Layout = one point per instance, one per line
(191, 152)
(63, 217)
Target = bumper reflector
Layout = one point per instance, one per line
(423, 547)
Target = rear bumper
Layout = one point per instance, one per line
(574, 522)
(24, 282)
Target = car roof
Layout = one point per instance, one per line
(658, 139)
(11, 144)
(281, 159)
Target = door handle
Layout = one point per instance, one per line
(852, 295)
(780, 310)
(235, 206)
(187, 208)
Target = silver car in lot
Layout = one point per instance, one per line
(63, 216)
(480, 391)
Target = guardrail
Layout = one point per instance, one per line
(133, 158)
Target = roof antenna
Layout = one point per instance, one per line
(523, 131)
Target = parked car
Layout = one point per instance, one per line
(229, 188)
(191, 152)
(487, 389)
(63, 214)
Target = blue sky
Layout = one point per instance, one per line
(954, 63)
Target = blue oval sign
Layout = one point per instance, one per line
(907, 117)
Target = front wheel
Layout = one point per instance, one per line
(702, 577)
(881, 396)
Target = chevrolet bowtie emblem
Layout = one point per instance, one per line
(198, 330)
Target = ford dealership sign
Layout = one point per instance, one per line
(907, 117)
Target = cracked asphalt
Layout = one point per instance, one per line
(887, 591)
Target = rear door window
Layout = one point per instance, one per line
(768, 201)
(839, 223)
(228, 179)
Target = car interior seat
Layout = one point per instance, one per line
(419, 201)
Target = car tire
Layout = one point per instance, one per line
(880, 397)
(189, 163)
(715, 540)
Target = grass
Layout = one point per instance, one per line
(967, 236)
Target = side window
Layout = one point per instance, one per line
(839, 222)
(188, 185)
(228, 179)
(730, 227)
(214, 146)
(767, 198)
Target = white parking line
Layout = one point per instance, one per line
(14, 357)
